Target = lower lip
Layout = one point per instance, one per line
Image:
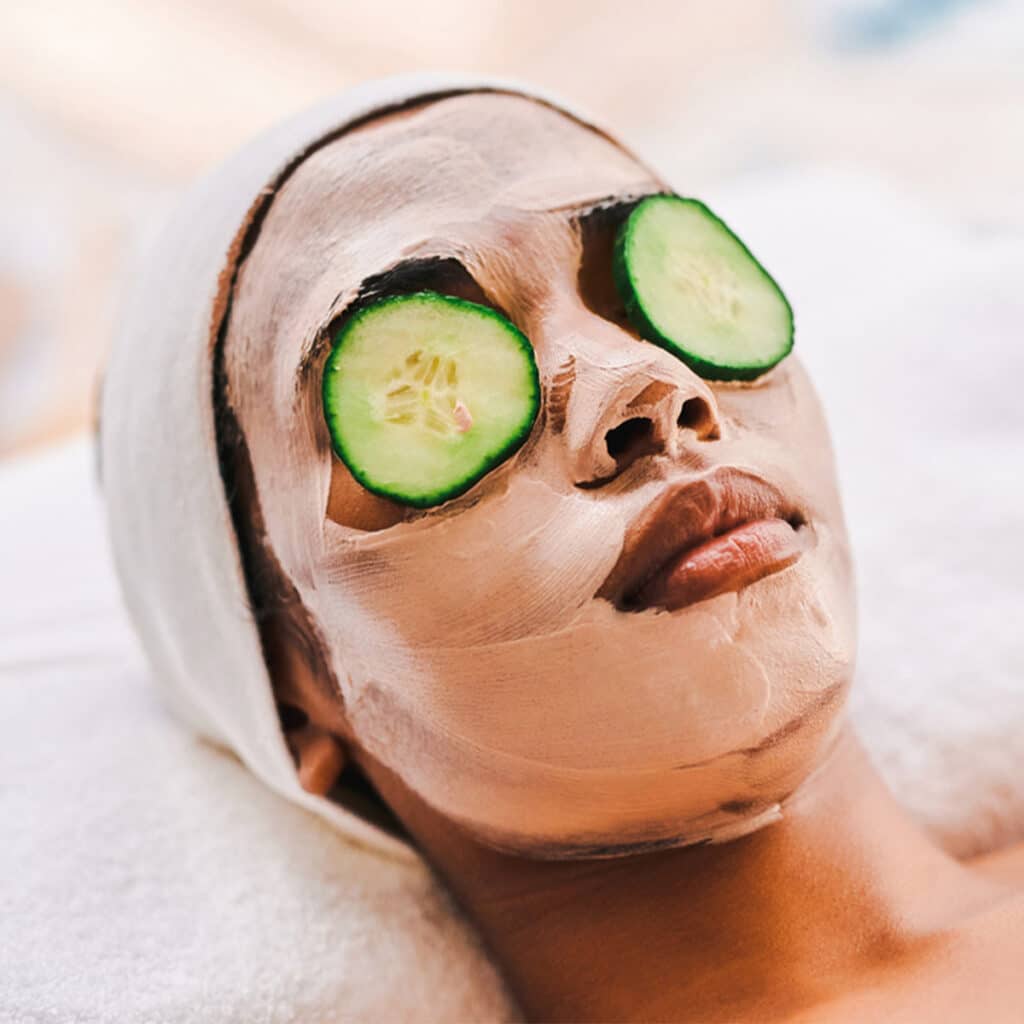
(730, 561)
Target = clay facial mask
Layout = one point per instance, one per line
(636, 630)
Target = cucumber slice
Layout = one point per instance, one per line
(424, 394)
(690, 285)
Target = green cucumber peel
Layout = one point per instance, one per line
(710, 345)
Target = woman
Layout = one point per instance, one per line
(598, 678)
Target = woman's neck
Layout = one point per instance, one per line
(788, 917)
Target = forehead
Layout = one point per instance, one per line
(467, 149)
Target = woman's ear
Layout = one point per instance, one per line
(309, 706)
(319, 757)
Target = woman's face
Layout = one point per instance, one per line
(486, 649)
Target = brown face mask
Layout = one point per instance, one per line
(482, 648)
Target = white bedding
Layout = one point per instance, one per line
(145, 876)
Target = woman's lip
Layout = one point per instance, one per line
(730, 561)
(688, 513)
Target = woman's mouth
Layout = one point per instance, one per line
(730, 561)
(705, 537)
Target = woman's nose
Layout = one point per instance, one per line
(627, 399)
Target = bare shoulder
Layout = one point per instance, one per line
(966, 973)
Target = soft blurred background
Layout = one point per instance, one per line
(109, 107)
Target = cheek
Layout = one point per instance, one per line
(521, 562)
(780, 424)
(776, 404)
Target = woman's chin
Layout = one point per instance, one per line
(541, 811)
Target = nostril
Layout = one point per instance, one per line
(630, 438)
(696, 415)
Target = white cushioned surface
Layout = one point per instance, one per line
(147, 876)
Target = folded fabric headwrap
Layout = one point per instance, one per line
(173, 539)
